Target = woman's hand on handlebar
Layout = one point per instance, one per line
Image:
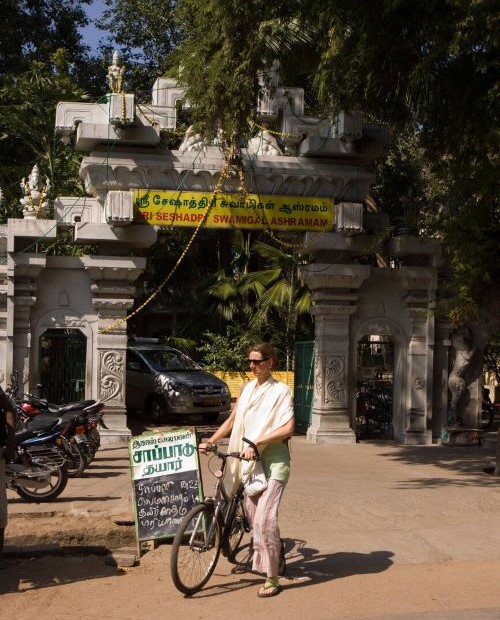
(249, 454)
(206, 447)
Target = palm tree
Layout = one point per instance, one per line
(281, 297)
(272, 301)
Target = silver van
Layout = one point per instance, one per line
(166, 384)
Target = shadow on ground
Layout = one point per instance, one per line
(23, 575)
(465, 465)
(305, 566)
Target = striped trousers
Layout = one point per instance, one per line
(262, 512)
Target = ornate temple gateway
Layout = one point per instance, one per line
(375, 325)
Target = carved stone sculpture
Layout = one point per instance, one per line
(115, 75)
(460, 375)
(192, 141)
(264, 145)
(35, 192)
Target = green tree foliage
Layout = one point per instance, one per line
(145, 32)
(35, 29)
(227, 43)
(27, 130)
(177, 286)
(431, 70)
(226, 352)
(267, 299)
(428, 69)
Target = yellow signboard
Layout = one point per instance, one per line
(170, 208)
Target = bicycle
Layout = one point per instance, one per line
(216, 525)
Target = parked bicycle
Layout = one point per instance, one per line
(216, 525)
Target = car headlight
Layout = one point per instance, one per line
(182, 390)
(179, 395)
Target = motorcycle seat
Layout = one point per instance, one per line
(42, 423)
(69, 406)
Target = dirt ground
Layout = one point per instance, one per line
(371, 531)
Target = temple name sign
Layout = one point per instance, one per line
(254, 211)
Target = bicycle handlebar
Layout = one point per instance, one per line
(235, 455)
(252, 445)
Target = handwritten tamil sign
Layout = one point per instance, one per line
(168, 208)
(166, 481)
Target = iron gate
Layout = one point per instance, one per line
(303, 385)
(375, 367)
(62, 365)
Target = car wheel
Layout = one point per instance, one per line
(211, 418)
(157, 410)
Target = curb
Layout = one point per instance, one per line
(122, 556)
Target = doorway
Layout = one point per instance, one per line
(375, 383)
(62, 365)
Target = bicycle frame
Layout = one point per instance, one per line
(223, 506)
(214, 526)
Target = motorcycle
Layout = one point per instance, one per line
(80, 438)
(38, 472)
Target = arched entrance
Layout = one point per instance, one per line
(62, 360)
(375, 387)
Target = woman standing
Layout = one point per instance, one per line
(263, 413)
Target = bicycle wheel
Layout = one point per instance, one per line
(238, 526)
(195, 549)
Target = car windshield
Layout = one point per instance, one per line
(163, 360)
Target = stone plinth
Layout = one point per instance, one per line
(463, 437)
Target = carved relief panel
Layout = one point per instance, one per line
(111, 366)
(330, 379)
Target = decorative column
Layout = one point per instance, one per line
(418, 282)
(334, 293)
(113, 297)
(440, 391)
(22, 273)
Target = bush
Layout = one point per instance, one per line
(225, 352)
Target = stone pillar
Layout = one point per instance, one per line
(416, 429)
(440, 391)
(113, 298)
(418, 283)
(334, 293)
(22, 273)
(111, 360)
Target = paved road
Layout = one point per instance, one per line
(372, 530)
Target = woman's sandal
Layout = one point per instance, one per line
(270, 588)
